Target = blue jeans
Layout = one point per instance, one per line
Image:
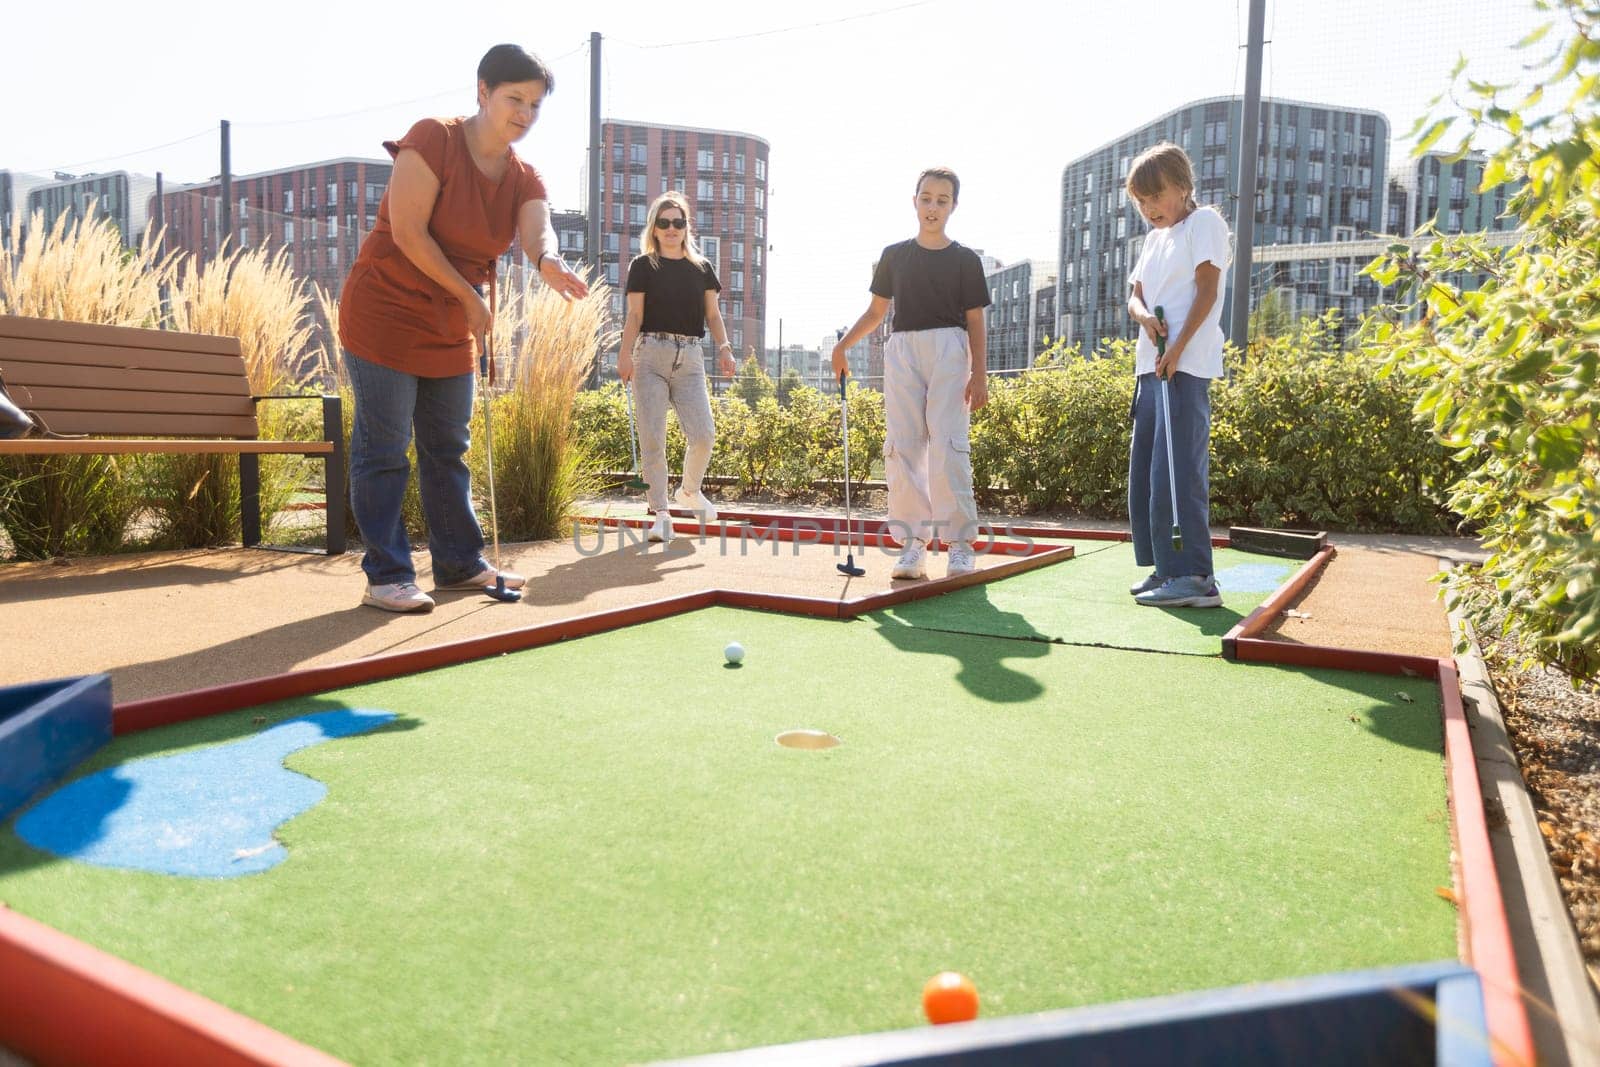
(1150, 495)
(389, 403)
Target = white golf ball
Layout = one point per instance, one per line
(734, 652)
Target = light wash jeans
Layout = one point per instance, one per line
(1150, 495)
(389, 404)
(927, 448)
(671, 372)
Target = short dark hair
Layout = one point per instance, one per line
(946, 174)
(511, 63)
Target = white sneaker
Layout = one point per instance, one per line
(401, 596)
(485, 579)
(960, 559)
(913, 561)
(661, 529)
(697, 503)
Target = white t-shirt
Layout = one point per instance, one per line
(1166, 271)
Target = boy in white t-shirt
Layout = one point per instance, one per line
(1180, 271)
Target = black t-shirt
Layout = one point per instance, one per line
(674, 293)
(930, 289)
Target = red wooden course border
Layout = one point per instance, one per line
(62, 1000)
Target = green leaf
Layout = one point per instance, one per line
(1557, 448)
(1430, 138)
(1533, 38)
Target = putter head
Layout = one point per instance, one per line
(498, 591)
(849, 567)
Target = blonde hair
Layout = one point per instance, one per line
(1158, 167)
(647, 243)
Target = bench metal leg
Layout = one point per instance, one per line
(333, 473)
(250, 498)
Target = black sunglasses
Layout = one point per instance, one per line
(670, 224)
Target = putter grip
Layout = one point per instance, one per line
(1161, 339)
(842, 375)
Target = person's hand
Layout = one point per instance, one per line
(478, 316)
(977, 391)
(625, 366)
(1154, 327)
(1167, 363)
(558, 276)
(726, 364)
(841, 362)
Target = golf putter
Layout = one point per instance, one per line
(848, 567)
(498, 590)
(1166, 420)
(635, 482)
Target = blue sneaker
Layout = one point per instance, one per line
(1151, 581)
(1188, 591)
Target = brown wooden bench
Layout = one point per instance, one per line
(117, 390)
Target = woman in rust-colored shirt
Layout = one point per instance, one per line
(413, 316)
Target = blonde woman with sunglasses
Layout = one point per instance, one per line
(672, 301)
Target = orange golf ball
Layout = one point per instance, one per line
(949, 997)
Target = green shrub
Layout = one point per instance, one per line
(1057, 436)
(67, 505)
(1306, 435)
(1509, 370)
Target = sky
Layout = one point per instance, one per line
(855, 97)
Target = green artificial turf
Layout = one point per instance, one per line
(594, 852)
(1085, 601)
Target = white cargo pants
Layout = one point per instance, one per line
(927, 451)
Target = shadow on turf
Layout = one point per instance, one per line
(983, 671)
(17, 856)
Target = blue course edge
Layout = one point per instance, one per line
(1430, 1013)
(47, 729)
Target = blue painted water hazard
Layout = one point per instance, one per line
(1253, 577)
(204, 814)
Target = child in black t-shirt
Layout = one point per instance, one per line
(933, 376)
(672, 299)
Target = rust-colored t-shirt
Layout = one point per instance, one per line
(394, 314)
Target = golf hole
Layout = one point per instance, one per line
(809, 739)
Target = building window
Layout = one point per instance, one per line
(738, 164)
(736, 253)
(612, 272)
(616, 181)
(761, 170)
(704, 191)
(616, 152)
(612, 241)
(1122, 226)
(636, 153)
(738, 194)
(333, 196)
(1314, 204)
(1085, 240)
(333, 257)
(374, 192)
(636, 184)
(288, 200)
(706, 159)
(288, 231)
